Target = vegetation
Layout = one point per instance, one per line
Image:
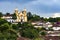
(6, 31)
(7, 14)
(28, 30)
(1, 14)
(9, 31)
(14, 16)
(33, 17)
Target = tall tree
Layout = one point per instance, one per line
(14, 16)
(7, 13)
(29, 15)
(1, 14)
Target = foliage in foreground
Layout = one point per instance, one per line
(6, 31)
(9, 31)
(27, 30)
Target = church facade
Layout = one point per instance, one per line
(21, 16)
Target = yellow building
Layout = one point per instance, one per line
(21, 16)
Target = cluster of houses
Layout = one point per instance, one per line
(54, 26)
(51, 34)
(8, 18)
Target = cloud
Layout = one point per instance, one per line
(56, 15)
(44, 6)
(41, 7)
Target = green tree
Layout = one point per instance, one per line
(7, 14)
(28, 30)
(43, 33)
(14, 16)
(33, 17)
(14, 26)
(1, 14)
(29, 15)
(36, 17)
(45, 19)
(52, 19)
(4, 27)
(29, 33)
(2, 21)
(7, 32)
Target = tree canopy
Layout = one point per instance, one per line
(1, 14)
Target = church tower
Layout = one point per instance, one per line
(17, 15)
(25, 15)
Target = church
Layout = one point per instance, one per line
(21, 16)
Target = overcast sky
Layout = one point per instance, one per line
(45, 8)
